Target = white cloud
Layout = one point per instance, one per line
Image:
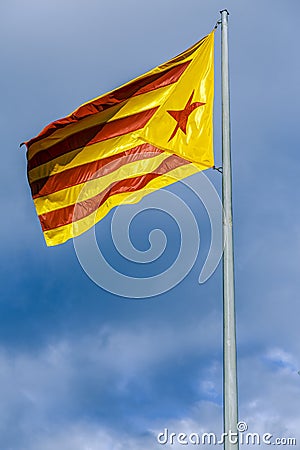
(37, 391)
(83, 436)
(36, 388)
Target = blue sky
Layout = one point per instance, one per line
(81, 368)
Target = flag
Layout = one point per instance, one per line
(116, 148)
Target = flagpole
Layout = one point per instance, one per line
(229, 333)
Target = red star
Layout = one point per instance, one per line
(182, 116)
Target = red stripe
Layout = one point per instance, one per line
(64, 216)
(89, 171)
(89, 136)
(136, 87)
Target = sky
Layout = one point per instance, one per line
(85, 369)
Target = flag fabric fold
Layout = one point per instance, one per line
(116, 148)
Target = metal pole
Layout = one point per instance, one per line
(229, 336)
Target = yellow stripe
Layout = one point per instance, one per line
(133, 105)
(72, 195)
(62, 234)
(85, 155)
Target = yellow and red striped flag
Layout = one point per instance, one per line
(121, 145)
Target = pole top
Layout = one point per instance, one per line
(224, 10)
